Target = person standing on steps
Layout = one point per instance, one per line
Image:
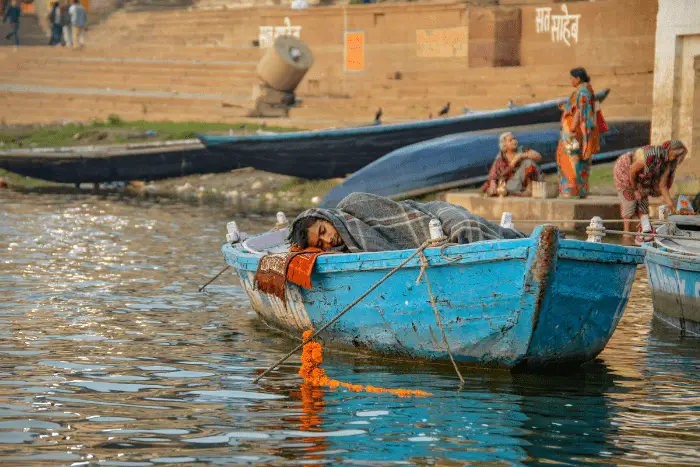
(580, 138)
(78, 19)
(13, 13)
(55, 22)
(66, 24)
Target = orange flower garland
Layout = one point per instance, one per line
(311, 371)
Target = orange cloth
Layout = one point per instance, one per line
(274, 270)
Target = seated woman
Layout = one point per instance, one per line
(367, 222)
(515, 166)
(648, 171)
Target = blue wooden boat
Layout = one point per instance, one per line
(339, 152)
(525, 303)
(464, 159)
(673, 268)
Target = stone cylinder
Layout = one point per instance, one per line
(285, 63)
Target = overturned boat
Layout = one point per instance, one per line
(527, 303)
(464, 159)
(337, 153)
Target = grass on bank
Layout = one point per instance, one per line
(117, 131)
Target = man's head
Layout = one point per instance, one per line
(314, 232)
(15, 3)
(507, 142)
(76, 1)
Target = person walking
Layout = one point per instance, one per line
(55, 22)
(66, 26)
(580, 138)
(78, 19)
(13, 13)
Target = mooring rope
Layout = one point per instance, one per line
(649, 234)
(345, 310)
(572, 221)
(424, 274)
(214, 278)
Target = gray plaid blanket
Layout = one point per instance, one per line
(368, 222)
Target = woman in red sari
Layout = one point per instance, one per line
(579, 139)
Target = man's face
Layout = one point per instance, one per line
(575, 81)
(323, 235)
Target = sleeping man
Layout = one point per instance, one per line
(367, 222)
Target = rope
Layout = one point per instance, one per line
(214, 278)
(424, 273)
(569, 221)
(345, 310)
(649, 234)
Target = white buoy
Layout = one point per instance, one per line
(595, 230)
(663, 212)
(436, 232)
(507, 220)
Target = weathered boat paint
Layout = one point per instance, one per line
(675, 286)
(529, 302)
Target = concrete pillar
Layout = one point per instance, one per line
(676, 79)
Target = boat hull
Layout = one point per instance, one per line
(465, 159)
(511, 303)
(674, 280)
(91, 165)
(337, 153)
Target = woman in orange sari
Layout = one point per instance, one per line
(579, 139)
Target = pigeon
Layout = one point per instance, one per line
(445, 110)
(378, 116)
(465, 110)
(511, 104)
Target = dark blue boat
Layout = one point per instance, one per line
(337, 153)
(464, 159)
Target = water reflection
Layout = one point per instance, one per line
(110, 356)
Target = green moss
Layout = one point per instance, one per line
(116, 131)
(17, 180)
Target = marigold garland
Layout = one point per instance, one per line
(311, 371)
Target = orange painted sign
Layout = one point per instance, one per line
(354, 50)
(442, 42)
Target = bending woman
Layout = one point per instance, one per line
(648, 171)
(579, 139)
(514, 165)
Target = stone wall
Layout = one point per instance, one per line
(676, 112)
(614, 32)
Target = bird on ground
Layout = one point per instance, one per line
(511, 104)
(465, 110)
(430, 116)
(445, 110)
(378, 116)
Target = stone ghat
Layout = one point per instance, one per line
(200, 65)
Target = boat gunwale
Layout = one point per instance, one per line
(686, 262)
(209, 140)
(474, 253)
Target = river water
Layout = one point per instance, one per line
(110, 356)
